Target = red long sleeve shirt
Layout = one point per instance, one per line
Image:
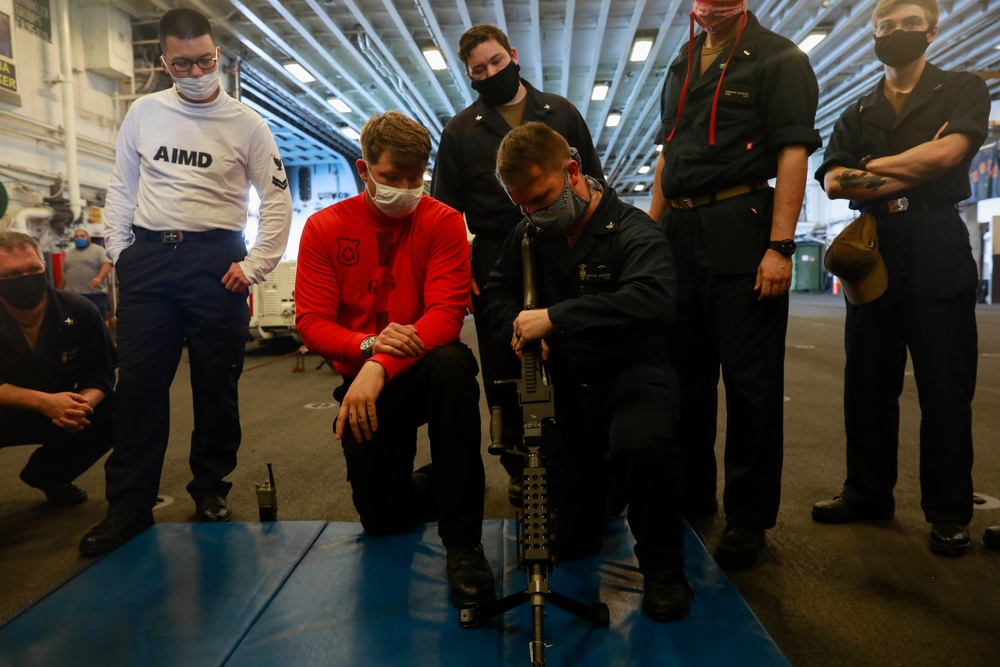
(359, 270)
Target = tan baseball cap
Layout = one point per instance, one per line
(854, 258)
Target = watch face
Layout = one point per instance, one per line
(785, 247)
(367, 343)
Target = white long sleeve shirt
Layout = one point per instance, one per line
(189, 167)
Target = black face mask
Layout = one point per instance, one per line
(501, 87)
(902, 47)
(24, 292)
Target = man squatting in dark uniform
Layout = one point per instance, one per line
(902, 153)
(463, 179)
(738, 108)
(57, 373)
(606, 286)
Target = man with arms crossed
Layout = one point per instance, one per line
(902, 153)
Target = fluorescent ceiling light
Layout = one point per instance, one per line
(640, 49)
(614, 118)
(350, 133)
(644, 169)
(338, 104)
(639, 188)
(434, 58)
(811, 40)
(299, 72)
(600, 92)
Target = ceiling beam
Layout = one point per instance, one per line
(463, 11)
(324, 54)
(619, 75)
(418, 56)
(595, 57)
(375, 77)
(454, 64)
(263, 55)
(501, 16)
(431, 120)
(621, 162)
(567, 50)
(536, 42)
(292, 52)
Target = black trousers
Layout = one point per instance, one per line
(620, 434)
(497, 362)
(440, 390)
(101, 301)
(62, 456)
(720, 323)
(171, 293)
(941, 336)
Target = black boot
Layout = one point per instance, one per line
(111, 533)
(470, 578)
(739, 547)
(665, 600)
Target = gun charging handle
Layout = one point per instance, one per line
(267, 497)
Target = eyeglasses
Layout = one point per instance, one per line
(909, 24)
(204, 64)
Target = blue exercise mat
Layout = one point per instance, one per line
(325, 594)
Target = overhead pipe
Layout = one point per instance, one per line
(21, 218)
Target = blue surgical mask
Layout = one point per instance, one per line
(81, 243)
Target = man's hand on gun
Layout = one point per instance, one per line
(529, 326)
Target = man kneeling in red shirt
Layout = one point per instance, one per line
(381, 289)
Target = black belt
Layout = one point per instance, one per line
(902, 204)
(179, 236)
(712, 197)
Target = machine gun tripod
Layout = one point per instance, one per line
(536, 531)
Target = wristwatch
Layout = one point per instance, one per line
(368, 347)
(785, 246)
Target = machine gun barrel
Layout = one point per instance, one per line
(535, 521)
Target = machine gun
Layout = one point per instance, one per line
(536, 529)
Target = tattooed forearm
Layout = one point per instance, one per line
(850, 179)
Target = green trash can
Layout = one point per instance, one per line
(807, 267)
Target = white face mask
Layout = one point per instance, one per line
(395, 202)
(196, 87)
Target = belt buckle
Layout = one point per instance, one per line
(898, 205)
(686, 202)
(171, 237)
